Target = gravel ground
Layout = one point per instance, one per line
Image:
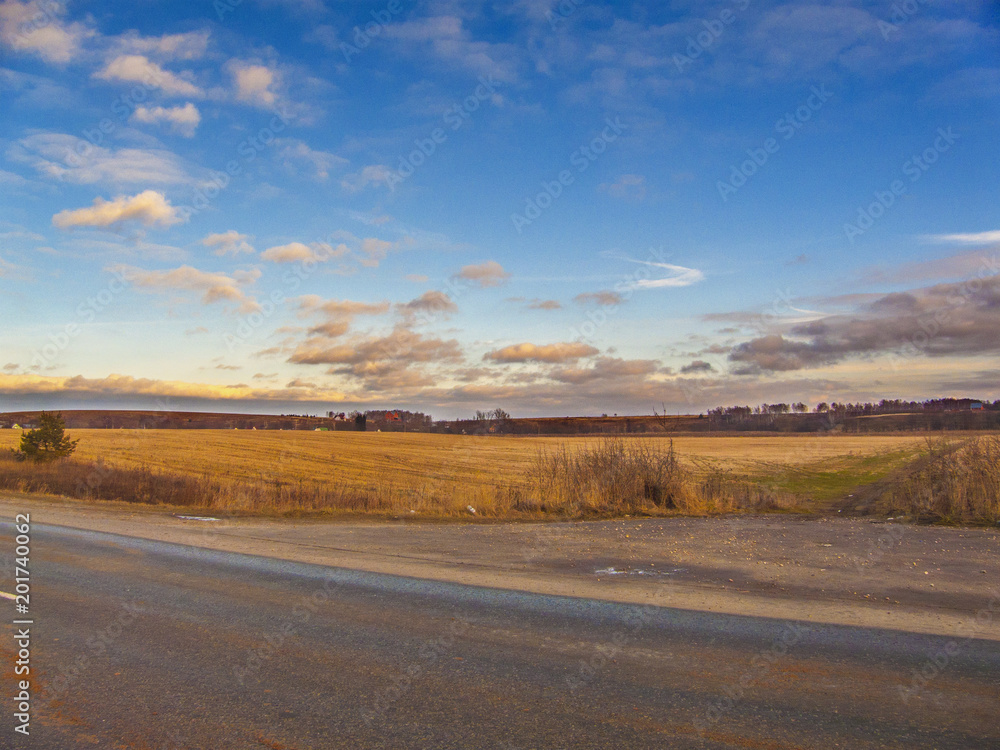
(850, 571)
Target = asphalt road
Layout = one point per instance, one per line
(140, 644)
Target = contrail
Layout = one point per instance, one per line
(679, 276)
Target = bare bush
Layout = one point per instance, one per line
(620, 476)
(960, 485)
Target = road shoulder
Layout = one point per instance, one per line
(919, 579)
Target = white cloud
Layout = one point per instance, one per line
(140, 69)
(9, 178)
(372, 220)
(485, 274)
(21, 233)
(131, 245)
(975, 238)
(293, 252)
(38, 27)
(552, 353)
(796, 39)
(374, 251)
(298, 6)
(229, 243)
(183, 120)
(325, 35)
(113, 388)
(6, 268)
(371, 175)
(191, 45)
(322, 162)
(678, 276)
(214, 287)
(628, 186)
(296, 252)
(254, 83)
(339, 308)
(443, 37)
(68, 158)
(149, 208)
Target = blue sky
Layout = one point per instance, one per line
(553, 207)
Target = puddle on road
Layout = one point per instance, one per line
(638, 572)
(197, 518)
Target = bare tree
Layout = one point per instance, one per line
(662, 419)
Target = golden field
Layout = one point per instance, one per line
(443, 473)
(413, 458)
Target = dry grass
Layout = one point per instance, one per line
(952, 484)
(437, 475)
(621, 477)
(101, 481)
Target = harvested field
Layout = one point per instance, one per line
(278, 471)
(354, 457)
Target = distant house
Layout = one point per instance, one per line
(976, 406)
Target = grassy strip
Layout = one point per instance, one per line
(833, 479)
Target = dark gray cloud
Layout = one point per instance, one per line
(430, 302)
(696, 367)
(400, 348)
(606, 298)
(963, 265)
(956, 319)
(607, 368)
(338, 314)
(427, 307)
(544, 304)
(979, 382)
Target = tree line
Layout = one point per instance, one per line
(885, 406)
